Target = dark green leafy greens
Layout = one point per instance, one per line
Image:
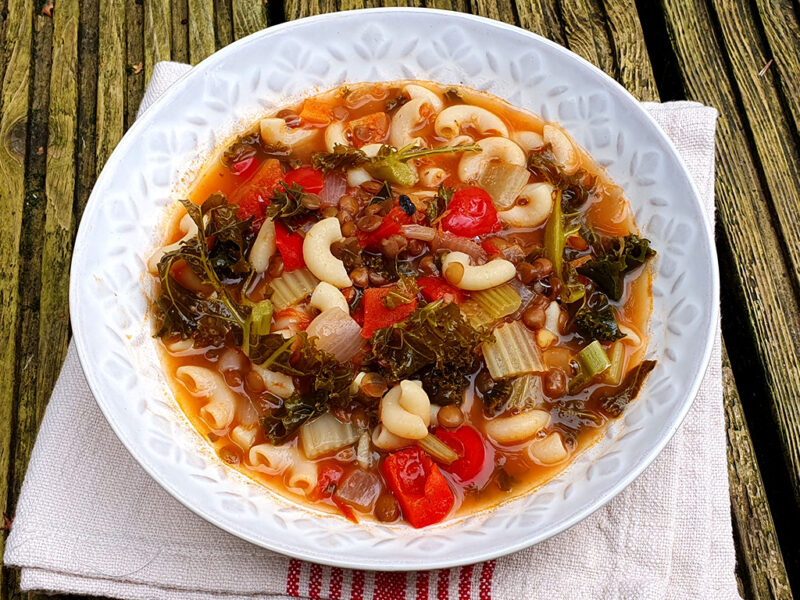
(575, 187)
(323, 384)
(436, 344)
(615, 258)
(288, 205)
(494, 400)
(341, 159)
(595, 320)
(250, 145)
(613, 401)
(438, 204)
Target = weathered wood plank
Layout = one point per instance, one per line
(635, 72)
(87, 102)
(780, 165)
(110, 79)
(500, 10)
(14, 104)
(585, 32)
(763, 564)
(541, 17)
(180, 31)
(157, 34)
(134, 62)
(780, 23)
(201, 30)
(305, 8)
(249, 16)
(458, 5)
(771, 305)
(223, 23)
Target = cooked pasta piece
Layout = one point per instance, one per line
(218, 413)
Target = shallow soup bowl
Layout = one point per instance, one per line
(159, 158)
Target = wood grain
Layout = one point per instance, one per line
(14, 104)
(249, 16)
(308, 8)
(223, 23)
(585, 33)
(110, 79)
(180, 31)
(157, 34)
(635, 72)
(541, 17)
(201, 30)
(770, 301)
(764, 567)
(500, 10)
(134, 59)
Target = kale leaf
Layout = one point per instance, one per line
(289, 205)
(595, 319)
(438, 204)
(616, 257)
(575, 187)
(614, 400)
(341, 159)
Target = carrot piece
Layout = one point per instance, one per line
(316, 111)
(370, 129)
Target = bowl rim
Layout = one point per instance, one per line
(82, 342)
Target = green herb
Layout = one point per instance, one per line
(288, 205)
(495, 399)
(575, 187)
(395, 102)
(614, 400)
(454, 96)
(250, 145)
(390, 164)
(327, 382)
(404, 292)
(617, 257)
(595, 320)
(383, 194)
(434, 343)
(561, 226)
(341, 159)
(593, 360)
(438, 204)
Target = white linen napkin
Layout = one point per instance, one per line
(91, 521)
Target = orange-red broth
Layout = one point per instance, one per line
(607, 211)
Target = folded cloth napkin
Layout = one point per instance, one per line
(91, 521)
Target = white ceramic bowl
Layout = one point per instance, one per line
(156, 160)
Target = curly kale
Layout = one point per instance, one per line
(615, 258)
(614, 400)
(595, 320)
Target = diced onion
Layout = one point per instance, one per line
(455, 243)
(337, 333)
(363, 452)
(359, 489)
(326, 434)
(292, 287)
(333, 189)
(513, 352)
(419, 232)
(504, 182)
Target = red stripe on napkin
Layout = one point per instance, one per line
(485, 583)
(465, 583)
(422, 585)
(315, 582)
(293, 578)
(443, 585)
(390, 585)
(357, 588)
(337, 577)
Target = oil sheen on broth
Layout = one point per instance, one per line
(444, 213)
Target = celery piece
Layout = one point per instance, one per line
(438, 449)
(614, 374)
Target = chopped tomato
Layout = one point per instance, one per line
(472, 467)
(419, 486)
(253, 197)
(370, 129)
(470, 213)
(315, 111)
(245, 168)
(377, 316)
(298, 318)
(309, 179)
(436, 288)
(391, 225)
(329, 477)
(490, 247)
(290, 245)
(348, 512)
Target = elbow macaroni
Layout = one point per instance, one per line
(386, 440)
(458, 271)
(453, 118)
(263, 248)
(549, 450)
(408, 118)
(517, 428)
(244, 436)
(189, 229)
(334, 135)
(564, 150)
(406, 410)
(326, 296)
(536, 207)
(472, 164)
(317, 253)
(278, 384)
(275, 131)
(272, 460)
(303, 475)
(218, 413)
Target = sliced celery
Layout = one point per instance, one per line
(593, 360)
(292, 287)
(614, 374)
(513, 352)
(488, 306)
(438, 449)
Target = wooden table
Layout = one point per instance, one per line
(73, 77)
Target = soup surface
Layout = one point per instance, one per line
(403, 301)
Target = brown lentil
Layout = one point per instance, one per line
(359, 418)
(525, 272)
(329, 211)
(369, 223)
(554, 383)
(387, 508)
(542, 267)
(533, 317)
(450, 416)
(393, 245)
(360, 277)
(373, 187)
(348, 203)
(484, 382)
(311, 201)
(416, 247)
(253, 382)
(349, 229)
(427, 266)
(377, 279)
(373, 385)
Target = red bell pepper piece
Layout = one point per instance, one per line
(470, 213)
(419, 486)
(290, 245)
(309, 179)
(392, 224)
(436, 288)
(329, 477)
(475, 464)
(253, 197)
(377, 316)
(490, 247)
(246, 167)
